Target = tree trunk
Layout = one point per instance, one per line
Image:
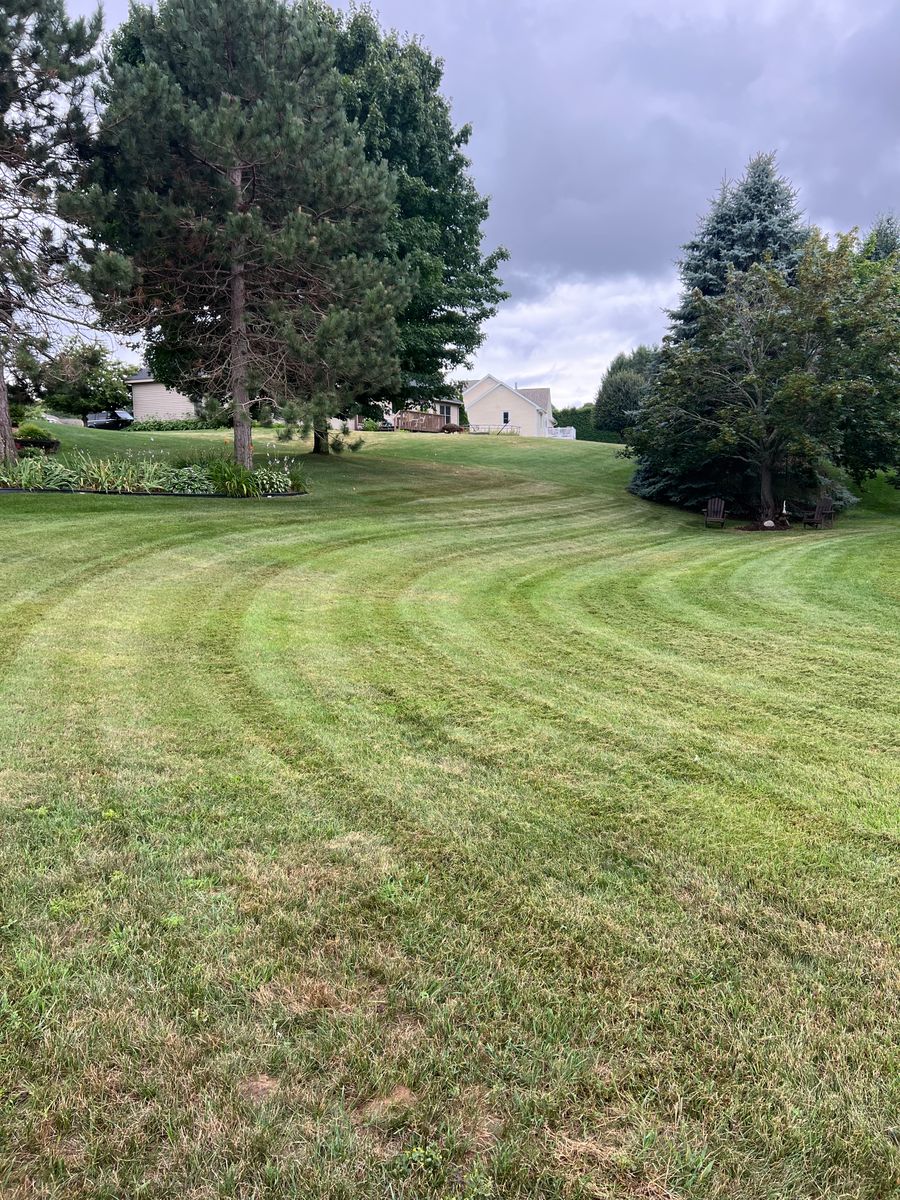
(320, 438)
(766, 493)
(7, 444)
(240, 395)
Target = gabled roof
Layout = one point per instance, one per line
(141, 376)
(537, 397)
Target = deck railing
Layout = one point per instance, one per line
(419, 422)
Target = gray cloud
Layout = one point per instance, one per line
(601, 131)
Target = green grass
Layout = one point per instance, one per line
(468, 804)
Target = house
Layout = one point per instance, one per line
(151, 400)
(428, 418)
(492, 406)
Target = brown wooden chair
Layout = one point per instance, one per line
(823, 517)
(714, 513)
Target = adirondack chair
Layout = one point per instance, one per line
(822, 517)
(714, 513)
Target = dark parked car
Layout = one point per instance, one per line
(386, 426)
(112, 418)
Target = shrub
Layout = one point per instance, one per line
(296, 476)
(582, 421)
(126, 475)
(160, 425)
(214, 415)
(340, 442)
(31, 432)
(370, 425)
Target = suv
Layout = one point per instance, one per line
(111, 418)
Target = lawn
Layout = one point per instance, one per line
(465, 828)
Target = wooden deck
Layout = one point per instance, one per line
(420, 422)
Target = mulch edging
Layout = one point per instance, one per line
(152, 495)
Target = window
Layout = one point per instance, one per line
(446, 413)
(506, 418)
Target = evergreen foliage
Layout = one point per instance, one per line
(884, 238)
(618, 400)
(751, 221)
(755, 219)
(623, 388)
(581, 419)
(782, 377)
(249, 235)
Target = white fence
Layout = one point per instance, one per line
(565, 431)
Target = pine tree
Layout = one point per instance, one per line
(45, 61)
(884, 238)
(392, 87)
(248, 233)
(753, 220)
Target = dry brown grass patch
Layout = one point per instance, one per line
(301, 995)
(259, 1088)
(398, 1100)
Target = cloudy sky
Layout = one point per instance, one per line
(602, 127)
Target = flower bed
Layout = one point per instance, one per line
(31, 436)
(217, 477)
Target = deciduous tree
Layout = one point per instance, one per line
(80, 378)
(392, 88)
(45, 60)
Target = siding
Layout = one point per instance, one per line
(154, 400)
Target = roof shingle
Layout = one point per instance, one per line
(539, 396)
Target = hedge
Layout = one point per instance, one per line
(582, 421)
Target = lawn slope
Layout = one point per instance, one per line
(466, 828)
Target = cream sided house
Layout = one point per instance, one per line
(150, 399)
(492, 406)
